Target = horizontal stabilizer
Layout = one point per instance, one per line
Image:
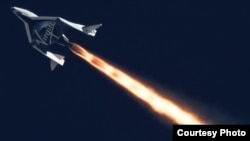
(91, 30)
(59, 56)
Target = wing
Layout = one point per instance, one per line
(89, 30)
(76, 26)
(44, 18)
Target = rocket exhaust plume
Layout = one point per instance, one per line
(157, 103)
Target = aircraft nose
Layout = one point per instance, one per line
(13, 8)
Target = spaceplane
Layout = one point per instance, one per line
(45, 31)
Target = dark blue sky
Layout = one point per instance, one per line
(198, 50)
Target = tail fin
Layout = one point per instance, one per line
(55, 60)
(53, 65)
(91, 30)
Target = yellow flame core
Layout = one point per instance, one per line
(164, 107)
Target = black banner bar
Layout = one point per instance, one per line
(211, 132)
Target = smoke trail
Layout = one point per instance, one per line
(157, 103)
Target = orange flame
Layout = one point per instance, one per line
(159, 104)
